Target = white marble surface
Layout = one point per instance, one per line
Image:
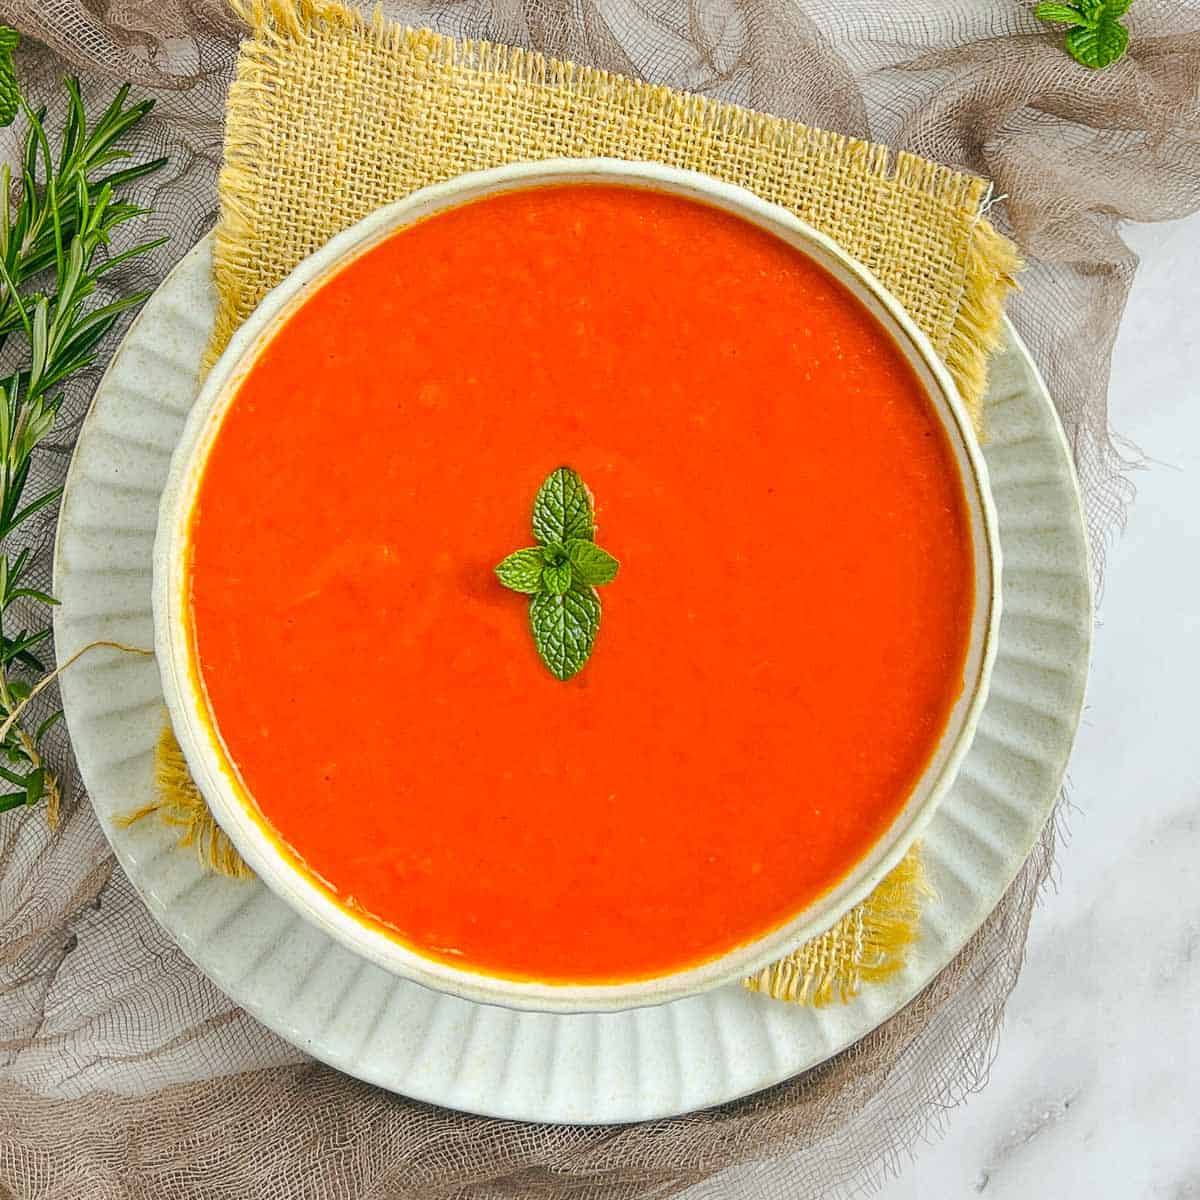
(1093, 1093)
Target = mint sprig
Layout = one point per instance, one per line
(561, 573)
(1096, 37)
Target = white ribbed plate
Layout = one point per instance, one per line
(588, 1068)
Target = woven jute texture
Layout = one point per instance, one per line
(332, 115)
(123, 1072)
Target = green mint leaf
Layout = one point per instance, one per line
(592, 565)
(557, 578)
(1092, 10)
(1116, 8)
(10, 39)
(1063, 14)
(563, 509)
(1098, 46)
(522, 570)
(564, 629)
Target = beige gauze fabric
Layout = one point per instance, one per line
(124, 1073)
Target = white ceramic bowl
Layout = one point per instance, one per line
(218, 780)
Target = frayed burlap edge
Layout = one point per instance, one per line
(867, 945)
(178, 803)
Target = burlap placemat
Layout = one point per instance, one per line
(332, 115)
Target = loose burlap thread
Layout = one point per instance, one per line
(332, 115)
(124, 1073)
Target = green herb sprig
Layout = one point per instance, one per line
(1096, 37)
(561, 573)
(56, 219)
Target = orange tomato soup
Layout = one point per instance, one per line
(776, 659)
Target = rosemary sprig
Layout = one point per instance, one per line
(56, 220)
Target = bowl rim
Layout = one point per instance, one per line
(196, 731)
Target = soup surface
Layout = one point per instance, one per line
(776, 658)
